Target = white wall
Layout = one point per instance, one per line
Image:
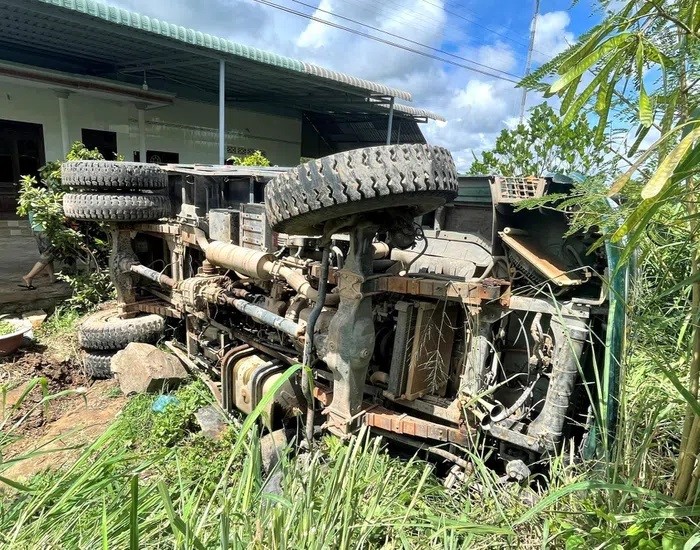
(186, 127)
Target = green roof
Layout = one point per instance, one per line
(216, 44)
(99, 42)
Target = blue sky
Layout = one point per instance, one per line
(492, 33)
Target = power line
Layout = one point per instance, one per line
(448, 22)
(406, 39)
(476, 23)
(389, 11)
(383, 41)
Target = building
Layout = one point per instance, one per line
(145, 89)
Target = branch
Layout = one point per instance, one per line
(663, 13)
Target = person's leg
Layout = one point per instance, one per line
(38, 268)
(50, 272)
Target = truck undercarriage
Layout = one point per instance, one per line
(423, 305)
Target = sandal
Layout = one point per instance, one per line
(27, 287)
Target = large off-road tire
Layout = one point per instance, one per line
(416, 177)
(115, 207)
(98, 365)
(104, 330)
(113, 176)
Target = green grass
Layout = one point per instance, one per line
(61, 323)
(154, 479)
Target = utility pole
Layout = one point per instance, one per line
(528, 63)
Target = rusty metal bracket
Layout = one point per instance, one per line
(474, 294)
(401, 423)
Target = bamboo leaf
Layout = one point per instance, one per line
(642, 132)
(581, 67)
(645, 112)
(633, 220)
(624, 179)
(689, 398)
(668, 165)
(569, 97)
(580, 101)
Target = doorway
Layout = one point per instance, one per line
(105, 142)
(21, 153)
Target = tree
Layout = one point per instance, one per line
(542, 145)
(641, 65)
(85, 243)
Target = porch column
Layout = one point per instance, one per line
(141, 110)
(222, 111)
(63, 117)
(391, 121)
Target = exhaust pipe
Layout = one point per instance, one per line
(570, 338)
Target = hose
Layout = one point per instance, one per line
(153, 275)
(308, 344)
(299, 283)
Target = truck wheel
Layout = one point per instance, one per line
(115, 207)
(418, 177)
(112, 176)
(98, 366)
(104, 330)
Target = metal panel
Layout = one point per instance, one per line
(254, 231)
(431, 349)
(405, 328)
(223, 225)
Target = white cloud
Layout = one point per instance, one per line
(476, 106)
(551, 37)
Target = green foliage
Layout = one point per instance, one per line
(644, 62)
(254, 159)
(62, 322)
(544, 144)
(89, 289)
(72, 241)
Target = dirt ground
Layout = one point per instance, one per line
(78, 414)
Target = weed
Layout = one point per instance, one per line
(61, 323)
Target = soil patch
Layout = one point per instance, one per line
(76, 413)
(62, 378)
(75, 422)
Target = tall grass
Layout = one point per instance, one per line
(122, 493)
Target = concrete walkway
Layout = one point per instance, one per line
(18, 253)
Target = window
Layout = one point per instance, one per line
(104, 142)
(158, 157)
(21, 153)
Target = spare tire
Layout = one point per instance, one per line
(115, 207)
(416, 177)
(112, 176)
(105, 330)
(98, 365)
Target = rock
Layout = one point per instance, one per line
(272, 447)
(211, 421)
(141, 368)
(36, 317)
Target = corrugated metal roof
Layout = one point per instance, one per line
(418, 113)
(216, 44)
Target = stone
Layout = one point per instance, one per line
(211, 421)
(143, 368)
(36, 317)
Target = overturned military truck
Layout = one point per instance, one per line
(425, 305)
